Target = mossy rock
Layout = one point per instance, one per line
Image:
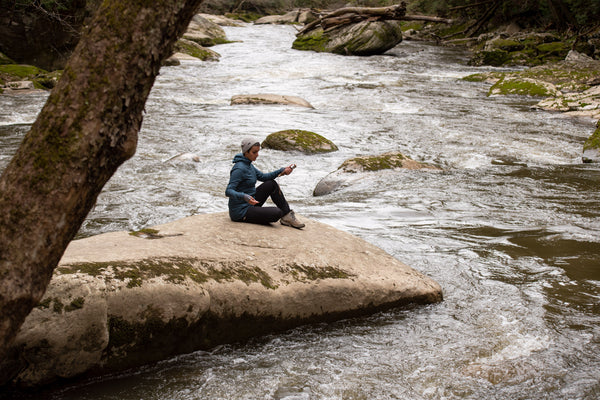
(244, 16)
(509, 45)
(522, 86)
(495, 58)
(391, 160)
(531, 50)
(593, 141)
(315, 40)
(553, 49)
(195, 50)
(19, 72)
(364, 38)
(484, 77)
(591, 147)
(299, 140)
(542, 80)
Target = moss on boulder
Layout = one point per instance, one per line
(569, 86)
(299, 140)
(521, 49)
(380, 162)
(362, 39)
(522, 86)
(195, 50)
(353, 169)
(591, 147)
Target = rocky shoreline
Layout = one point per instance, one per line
(124, 299)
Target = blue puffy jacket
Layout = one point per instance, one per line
(242, 180)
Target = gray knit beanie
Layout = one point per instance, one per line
(248, 143)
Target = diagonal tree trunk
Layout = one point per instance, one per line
(86, 129)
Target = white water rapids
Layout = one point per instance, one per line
(516, 247)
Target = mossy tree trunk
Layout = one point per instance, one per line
(86, 129)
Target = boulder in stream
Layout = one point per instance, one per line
(187, 49)
(364, 38)
(267, 98)
(354, 169)
(299, 140)
(591, 147)
(120, 300)
(205, 32)
(297, 16)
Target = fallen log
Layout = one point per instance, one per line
(352, 15)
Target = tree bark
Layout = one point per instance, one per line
(85, 131)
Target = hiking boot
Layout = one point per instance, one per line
(289, 219)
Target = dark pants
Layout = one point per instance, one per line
(258, 214)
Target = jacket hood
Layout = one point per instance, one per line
(240, 157)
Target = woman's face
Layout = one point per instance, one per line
(252, 154)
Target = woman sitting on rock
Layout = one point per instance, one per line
(246, 200)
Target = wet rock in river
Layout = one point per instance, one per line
(362, 39)
(297, 16)
(267, 98)
(120, 299)
(299, 140)
(353, 170)
(222, 20)
(591, 148)
(184, 157)
(185, 47)
(205, 32)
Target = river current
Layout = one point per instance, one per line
(510, 228)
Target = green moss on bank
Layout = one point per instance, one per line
(520, 87)
(17, 72)
(21, 71)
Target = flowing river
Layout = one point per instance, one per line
(510, 228)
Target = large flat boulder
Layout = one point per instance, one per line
(122, 299)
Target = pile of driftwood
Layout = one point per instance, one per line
(352, 15)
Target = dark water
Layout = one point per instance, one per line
(510, 228)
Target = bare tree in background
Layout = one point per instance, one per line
(85, 131)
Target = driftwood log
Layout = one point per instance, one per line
(352, 15)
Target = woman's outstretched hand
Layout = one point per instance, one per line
(288, 170)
